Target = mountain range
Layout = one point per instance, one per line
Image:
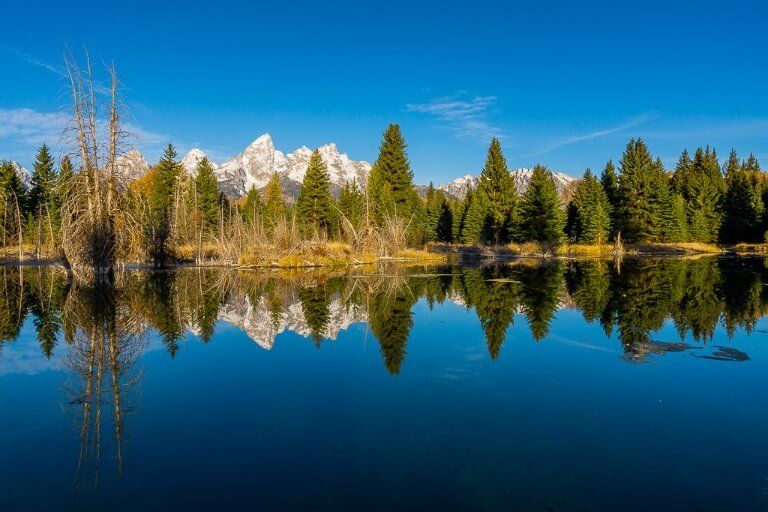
(255, 165)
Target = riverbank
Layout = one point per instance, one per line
(582, 251)
(338, 254)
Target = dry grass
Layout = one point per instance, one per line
(675, 248)
(586, 250)
(419, 255)
(751, 248)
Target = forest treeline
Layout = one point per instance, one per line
(85, 211)
(171, 215)
(633, 299)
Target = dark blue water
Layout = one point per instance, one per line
(639, 386)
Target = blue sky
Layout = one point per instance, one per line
(563, 84)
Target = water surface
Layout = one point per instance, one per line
(551, 386)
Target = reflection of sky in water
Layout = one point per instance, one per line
(565, 422)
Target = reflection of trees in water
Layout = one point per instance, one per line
(634, 300)
(107, 340)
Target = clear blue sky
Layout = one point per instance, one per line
(565, 84)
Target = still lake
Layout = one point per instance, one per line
(543, 386)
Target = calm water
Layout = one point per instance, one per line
(549, 387)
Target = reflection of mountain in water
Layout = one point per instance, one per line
(631, 302)
(258, 322)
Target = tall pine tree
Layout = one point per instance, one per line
(542, 217)
(499, 189)
(314, 206)
(42, 192)
(390, 184)
(207, 196)
(274, 206)
(644, 194)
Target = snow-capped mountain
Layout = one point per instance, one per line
(256, 164)
(262, 327)
(24, 175)
(190, 161)
(131, 165)
(521, 177)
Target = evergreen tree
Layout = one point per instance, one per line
(207, 196)
(474, 225)
(314, 206)
(593, 211)
(390, 184)
(542, 217)
(682, 173)
(163, 187)
(352, 203)
(703, 188)
(677, 224)
(610, 181)
(274, 206)
(432, 214)
(12, 191)
(253, 208)
(444, 230)
(42, 193)
(644, 193)
(499, 189)
(742, 206)
(161, 199)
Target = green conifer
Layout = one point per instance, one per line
(253, 208)
(542, 217)
(42, 192)
(499, 189)
(207, 195)
(314, 206)
(274, 206)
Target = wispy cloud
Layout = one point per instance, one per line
(466, 118)
(22, 130)
(59, 70)
(573, 139)
(24, 125)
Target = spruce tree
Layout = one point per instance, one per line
(475, 218)
(593, 211)
(207, 196)
(253, 207)
(434, 210)
(499, 189)
(703, 189)
(742, 205)
(12, 191)
(352, 203)
(444, 230)
(274, 206)
(42, 192)
(542, 217)
(314, 204)
(161, 199)
(610, 181)
(390, 184)
(163, 187)
(677, 224)
(644, 194)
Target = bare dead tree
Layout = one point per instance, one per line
(91, 210)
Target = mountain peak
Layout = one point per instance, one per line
(191, 160)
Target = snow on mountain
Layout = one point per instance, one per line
(260, 160)
(131, 165)
(24, 175)
(521, 177)
(259, 324)
(190, 161)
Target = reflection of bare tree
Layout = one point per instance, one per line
(106, 343)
